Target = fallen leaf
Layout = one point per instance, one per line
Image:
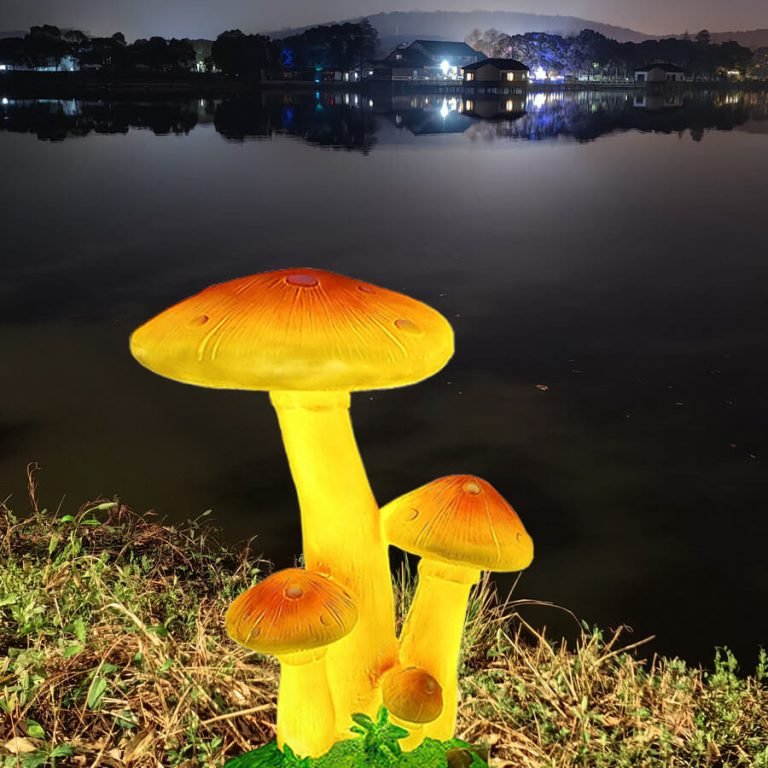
(19, 746)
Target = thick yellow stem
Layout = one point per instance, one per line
(431, 636)
(341, 536)
(305, 716)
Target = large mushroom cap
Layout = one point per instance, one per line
(412, 694)
(462, 520)
(296, 329)
(291, 610)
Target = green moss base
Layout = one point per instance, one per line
(352, 754)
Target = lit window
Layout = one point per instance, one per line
(470, 75)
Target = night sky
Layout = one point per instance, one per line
(203, 18)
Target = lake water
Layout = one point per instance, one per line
(602, 257)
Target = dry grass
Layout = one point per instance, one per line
(112, 653)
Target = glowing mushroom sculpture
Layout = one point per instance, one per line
(296, 615)
(310, 337)
(459, 525)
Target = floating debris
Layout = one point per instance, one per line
(543, 387)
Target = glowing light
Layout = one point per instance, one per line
(5, 101)
(539, 100)
(3, 67)
(540, 73)
(444, 111)
(445, 66)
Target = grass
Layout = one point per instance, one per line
(112, 653)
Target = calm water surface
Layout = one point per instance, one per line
(607, 245)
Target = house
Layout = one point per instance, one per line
(495, 72)
(425, 60)
(660, 72)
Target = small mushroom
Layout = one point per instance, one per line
(413, 697)
(296, 615)
(459, 525)
(310, 337)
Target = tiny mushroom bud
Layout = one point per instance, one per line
(413, 697)
(459, 525)
(295, 615)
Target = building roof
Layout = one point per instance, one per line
(505, 65)
(665, 65)
(447, 48)
(410, 59)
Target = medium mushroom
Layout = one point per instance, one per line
(413, 697)
(459, 525)
(311, 337)
(295, 615)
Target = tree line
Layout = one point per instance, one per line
(592, 54)
(337, 46)
(347, 46)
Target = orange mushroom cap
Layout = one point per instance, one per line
(296, 329)
(412, 694)
(461, 520)
(291, 610)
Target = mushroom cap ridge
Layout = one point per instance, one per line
(291, 610)
(461, 520)
(295, 329)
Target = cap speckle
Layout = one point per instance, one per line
(302, 281)
(407, 326)
(196, 322)
(472, 488)
(294, 592)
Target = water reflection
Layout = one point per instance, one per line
(356, 121)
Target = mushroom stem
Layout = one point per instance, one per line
(415, 733)
(305, 715)
(342, 536)
(431, 635)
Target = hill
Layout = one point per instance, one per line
(753, 38)
(404, 26)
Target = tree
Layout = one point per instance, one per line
(13, 53)
(704, 38)
(160, 55)
(235, 53)
(45, 46)
(333, 46)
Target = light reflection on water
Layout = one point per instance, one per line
(318, 117)
(608, 245)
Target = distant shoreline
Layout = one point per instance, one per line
(63, 85)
